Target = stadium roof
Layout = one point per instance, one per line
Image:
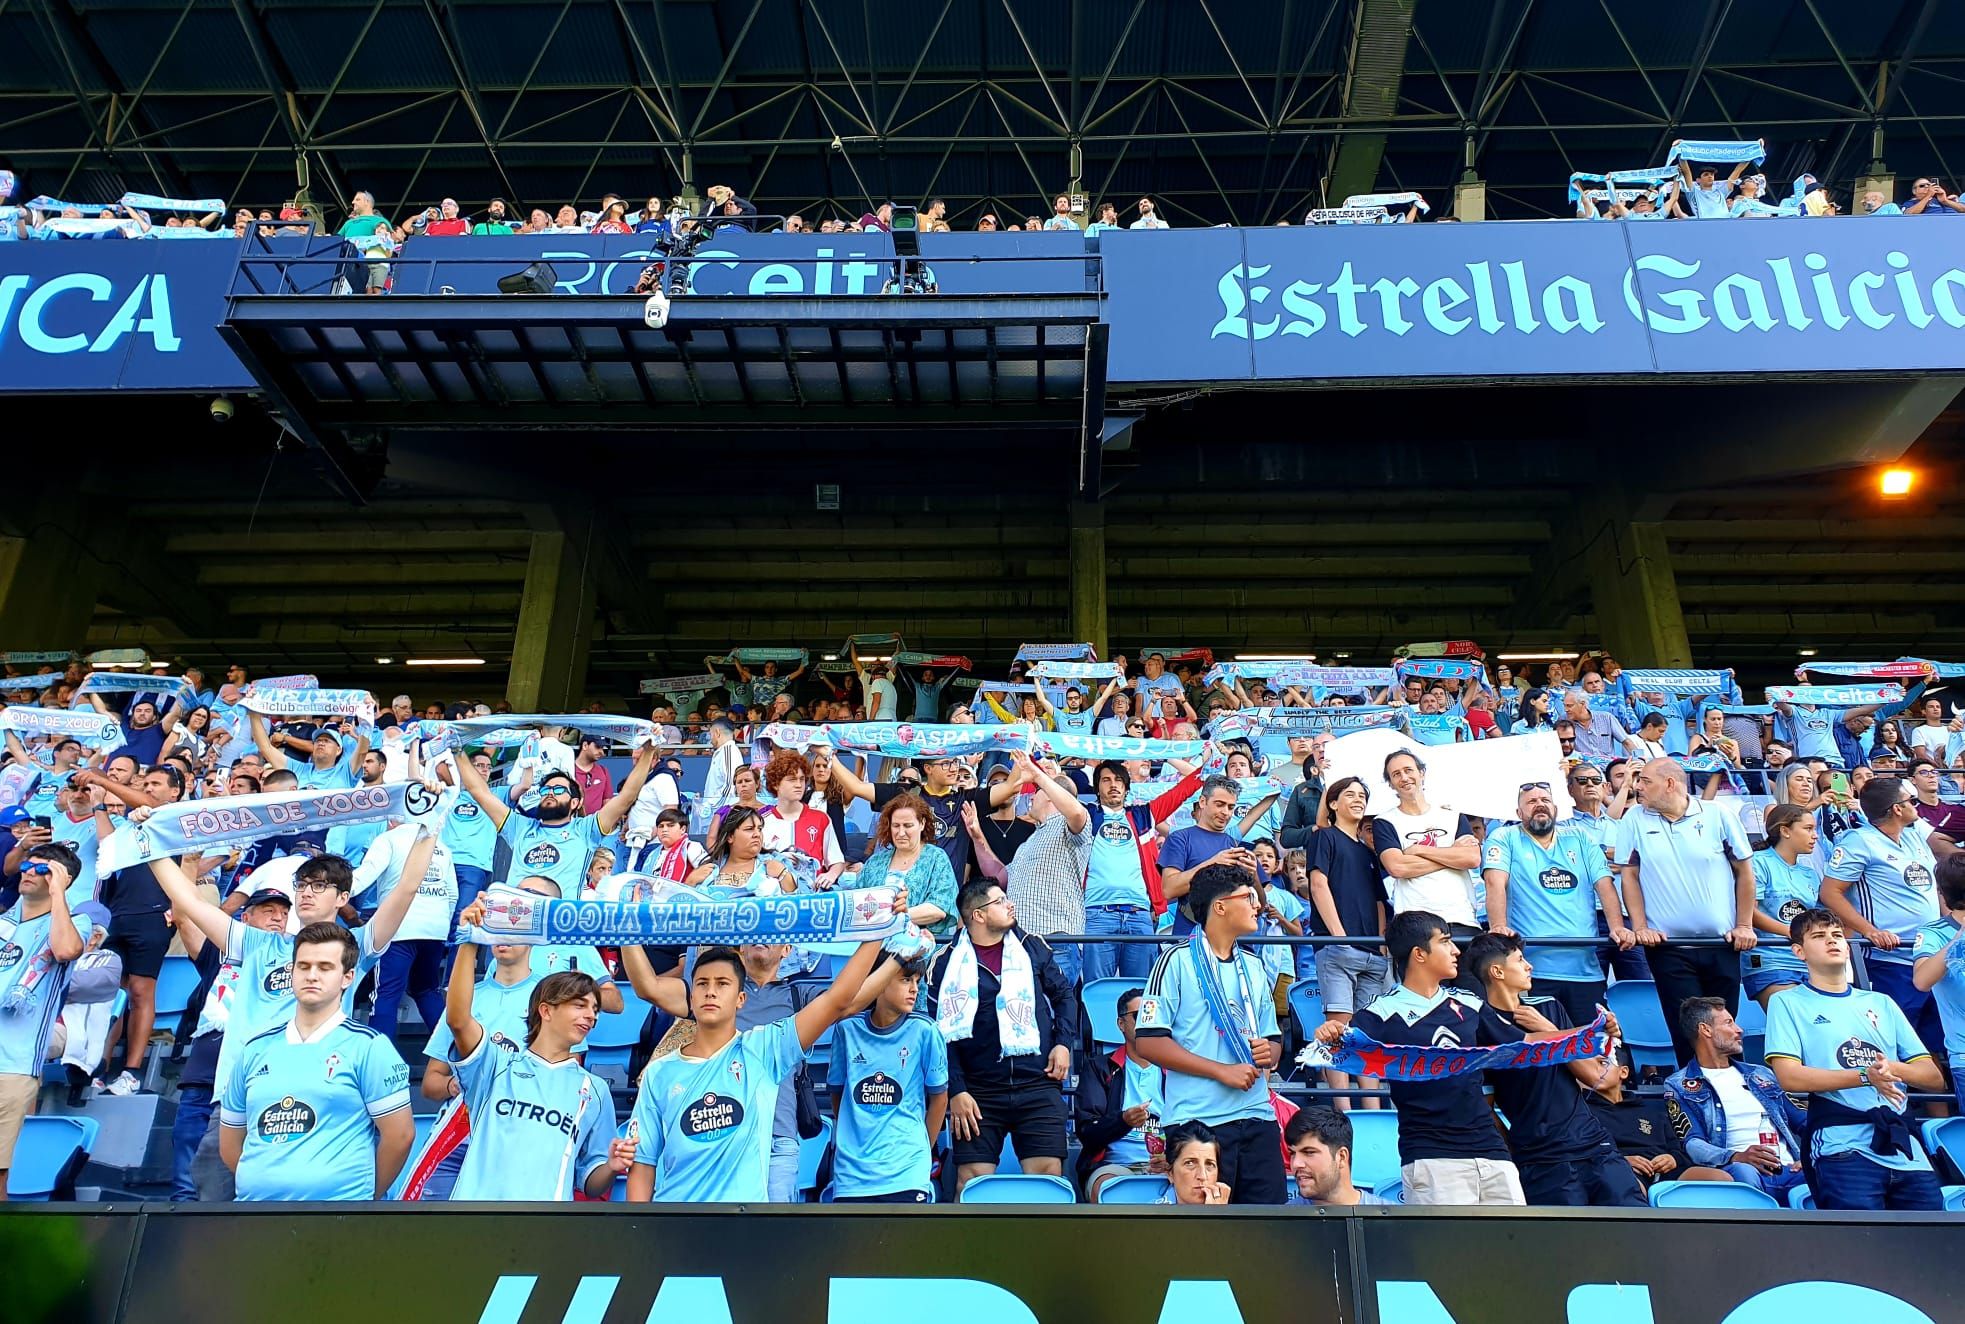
(1243, 113)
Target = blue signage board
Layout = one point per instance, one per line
(116, 315)
(1532, 299)
(1298, 304)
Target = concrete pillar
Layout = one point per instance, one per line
(555, 627)
(48, 586)
(1638, 614)
(1470, 199)
(1087, 556)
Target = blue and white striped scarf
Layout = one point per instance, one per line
(133, 682)
(1076, 670)
(1680, 681)
(1056, 653)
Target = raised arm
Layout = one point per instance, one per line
(262, 740)
(665, 991)
(837, 998)
(851, 782)
(476, 787)
(388, 916)
(187, 906)
(465, 1031)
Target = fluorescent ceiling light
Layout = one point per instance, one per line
(1564, 656)
(444, 662)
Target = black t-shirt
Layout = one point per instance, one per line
(1004, 838)
(950, 835)
(1438, 1119)
(201, 1063)
(1641, 1127)
(1355, 881)
(1548, 1122)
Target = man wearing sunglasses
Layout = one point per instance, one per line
(38, 940)
(1541, 881)
(558, 843)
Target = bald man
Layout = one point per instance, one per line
(1685, 875)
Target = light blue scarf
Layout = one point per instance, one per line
(526, 919)
(1834, 696)
(133, 682)
(1680, 681)
(201, 825)
(1069, 745)
(1718, 150)
(297, 702)
(1076, 670)
(86, 725)
(41, 682)
(1056, 653)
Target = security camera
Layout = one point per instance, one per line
(655, 312)
(221, 409)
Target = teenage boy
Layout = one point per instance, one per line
(1208, 1019)
(542, 1125)
(317, 1108)
(1855, 1053)
(1449, 1150)
(1562, 1152)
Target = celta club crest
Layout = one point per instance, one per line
(958, 1003)
(1021, 1013)
(333, 1061)
(866, 908)
(518, 910)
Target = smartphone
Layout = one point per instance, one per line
(1839, 784)
(42, 823)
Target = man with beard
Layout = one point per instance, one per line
(327, 768)
(1540, 883)
(559, 842)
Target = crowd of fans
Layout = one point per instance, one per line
(1689, 186)
(1803, 852)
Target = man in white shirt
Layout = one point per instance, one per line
(1428, 854)
(1148, 218)
(415, 960)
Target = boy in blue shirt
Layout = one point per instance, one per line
(889, 1085)
(1939, 967)
(1209, 1021)
(1853, 1050)
(317, 1108)
(701, 1127)
(542, 1125)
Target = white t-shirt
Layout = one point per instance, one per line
(889, 701)
(1746, 1119)
(1931, 739)
(657, 793)
(1448, 893)
(436, 895)
(724, 762)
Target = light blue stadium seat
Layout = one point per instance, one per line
(1946, 1136)
(1018, 1188)
(176, 982)
(1753, 1026)
(1709, 1195)
(810, 1152)
(1101, 998)
(46, 1146)
(1635, 1003)
(1800, 1197)
(1307, 1003)
(1133, 1190)
(1394, 1190)
(615, 1033)
(1374, 1146)
(1955, 1199)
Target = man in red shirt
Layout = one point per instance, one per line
(596, 785)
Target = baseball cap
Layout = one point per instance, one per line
(94, 912)
(12, 815)
(999, 773)
(277, 890)
(327, 732)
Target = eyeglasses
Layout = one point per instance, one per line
(1587, 781)
(996, 901)
(1244, 894)
(554, 789)
(1128, 1015)
(304, 885)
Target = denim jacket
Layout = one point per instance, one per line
(1701, 1121)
